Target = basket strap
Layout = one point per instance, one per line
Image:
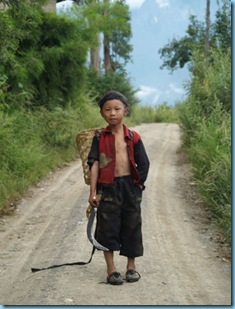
(34, 270)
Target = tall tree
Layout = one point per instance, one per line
(109, 29)
(110, 21)
(95, 60)
(50, 6)
(89, 11)
(120, 39)
(222, 26)
(106, 40)
(93, 18)
(117, 34)
(207, 34)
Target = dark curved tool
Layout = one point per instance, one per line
(89, 231)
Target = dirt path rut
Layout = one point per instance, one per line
(180, 265)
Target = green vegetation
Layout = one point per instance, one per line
(205, 118)
(147, 114)
(33, 143)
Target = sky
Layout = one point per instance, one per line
(155, 23)
(136, 4)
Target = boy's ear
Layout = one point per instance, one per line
(126, 111)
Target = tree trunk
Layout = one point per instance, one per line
(95, 56)
(50, 6)
(106, 43)
(207, 34)
(107, 58)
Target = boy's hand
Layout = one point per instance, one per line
(94, 200)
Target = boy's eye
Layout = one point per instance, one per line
(108, 109)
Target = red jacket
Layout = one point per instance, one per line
(103, 150)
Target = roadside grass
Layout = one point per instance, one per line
(205, 119)
(148, 114)
(207, 141)
(34, 143)
(210, 154)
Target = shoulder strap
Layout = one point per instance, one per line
(134, 135)
(34, 270)
(98, 133)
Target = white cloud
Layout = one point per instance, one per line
(64, 5)
(155, 19)
(148, 95)
(185, 13)
(135, 4)
(163, 3)
(174, 88)
(153, 97)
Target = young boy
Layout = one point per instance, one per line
(119, 166)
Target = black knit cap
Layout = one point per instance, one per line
(113, 95)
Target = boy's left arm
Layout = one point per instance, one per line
(142, 161)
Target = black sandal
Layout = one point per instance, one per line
(115, 278)
(132, 275)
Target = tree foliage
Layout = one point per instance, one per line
(109, 29)
(117, 28)
(222, 27)
(43, 57)
(110, 81)
(110, 20)
(178, 52)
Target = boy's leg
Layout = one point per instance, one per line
(108, 255)
(131, 274)
(130, 263)
(113, 276)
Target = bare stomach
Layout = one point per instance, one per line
(122, 174)
(122, 170)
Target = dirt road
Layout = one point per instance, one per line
(182, 264)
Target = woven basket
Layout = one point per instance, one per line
(84, 140)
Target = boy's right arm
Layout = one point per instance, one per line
(93, 163)
(93, 199)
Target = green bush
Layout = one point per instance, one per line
(211, 83)
(99, 85)
(147, 114)
(34, 142)
(205, 118)
(43, 57)
(166, 113)
(20, 154)
(63, 53)
(210, 154)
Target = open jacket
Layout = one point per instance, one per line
(103, 150)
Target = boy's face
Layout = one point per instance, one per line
(114, 111)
